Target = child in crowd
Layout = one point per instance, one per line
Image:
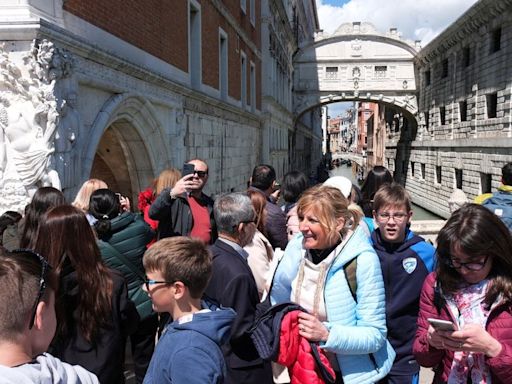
(406, 259)
(28, 323)
(189, 350)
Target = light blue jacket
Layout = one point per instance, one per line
(357, 331)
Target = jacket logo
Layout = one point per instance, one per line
(409, 264)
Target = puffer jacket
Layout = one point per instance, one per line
(357, 330)
(129, 235)
(499, 326)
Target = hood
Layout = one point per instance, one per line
(505, 188)
(215, 323)
(46, 369)
(502, 197)
(122, 221)
(381, 245)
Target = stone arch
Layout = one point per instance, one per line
(142, 139)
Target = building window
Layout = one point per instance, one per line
(243, 6)
(331, 73)
(423, 171)
(243, 79)
(485, 183)
(496, 40)
(466, 56)
(380, 71)
(253, 87)
(458, 178)
(442, 115)
(223, 64)
(252, 10)
(438, 174)
(427, 78)
(492, 105)
(194, 44)
(444, 68)
(427, 115)
(463, 110)
(412, 168)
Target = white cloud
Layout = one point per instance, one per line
(415, 19)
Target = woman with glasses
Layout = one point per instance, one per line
(122, 240)
(94, 314)
(332, 271)
(472, 289)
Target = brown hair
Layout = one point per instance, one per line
(84, 194)
(476, 232)
(329, 204)
(166, 179)
(391, 194)
(182, 259)
(66, 239)
(259, 202)
(20, 281)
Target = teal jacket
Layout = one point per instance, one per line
(129, 236)
(357, 330)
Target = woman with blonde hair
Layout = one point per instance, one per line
(84, 195)
(332, 271)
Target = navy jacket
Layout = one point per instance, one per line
(404, 268)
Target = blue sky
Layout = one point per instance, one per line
(415, 19)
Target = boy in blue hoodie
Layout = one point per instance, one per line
(178, 270)
(406, 259)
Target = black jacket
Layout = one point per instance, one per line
(104, 357)
(175, 217)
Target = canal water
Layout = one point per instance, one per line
(419, 213)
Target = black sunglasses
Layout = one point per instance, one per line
(45, 267)
(200, 174)
(149, 283)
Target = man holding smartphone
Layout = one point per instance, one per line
(184, 210)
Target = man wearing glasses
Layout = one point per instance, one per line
(406, 259)
(184, 210)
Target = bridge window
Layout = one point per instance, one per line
(427, 118)
(466, 56)
(380, 71)
(496, 40)
(444, 68)
(463, 110)
(427, 78)
(412, 168)
(485, 183)
(438, 174)
(458, 178)
(492, 105)
(423, 171)
(331, 73)
(442, 115)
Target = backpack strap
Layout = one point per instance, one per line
(350, 270)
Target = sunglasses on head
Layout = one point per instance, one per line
(45, 267)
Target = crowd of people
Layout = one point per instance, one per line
(354, 296)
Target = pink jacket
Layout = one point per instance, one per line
(499, 326)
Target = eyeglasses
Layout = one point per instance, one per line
(470, 265)
(398, 217)
(200, 174)
(45, 267)
(149, 283)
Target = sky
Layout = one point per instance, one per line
(415, 19)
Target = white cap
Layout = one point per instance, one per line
(340, 182)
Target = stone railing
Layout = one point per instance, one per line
(427, 229)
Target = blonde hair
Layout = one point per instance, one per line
(84, 194)
(167, 178)
(328, 205)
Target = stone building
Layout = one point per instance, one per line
(464, 132)
(121, 90)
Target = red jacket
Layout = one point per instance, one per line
(296, 354)
(499, 326)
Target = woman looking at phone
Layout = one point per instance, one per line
(472, 287)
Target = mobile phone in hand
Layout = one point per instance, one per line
(188, 169)
(442, 325)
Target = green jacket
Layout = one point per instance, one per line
(128, 237)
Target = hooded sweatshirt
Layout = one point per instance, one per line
(189, 349)
(404, 268)
(46, 369)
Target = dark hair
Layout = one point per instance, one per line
(506, 174)
(66, 238)
(259, 202)
(376, 177)
(294, 183)
(8, 218)
(43, 200)
(391, 194)
(104, 206)
(356, 196)
(181, 258)
(263, 176)
(477, 232)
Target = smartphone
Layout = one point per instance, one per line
(442, 325)
(118, 196)
(188, 169)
